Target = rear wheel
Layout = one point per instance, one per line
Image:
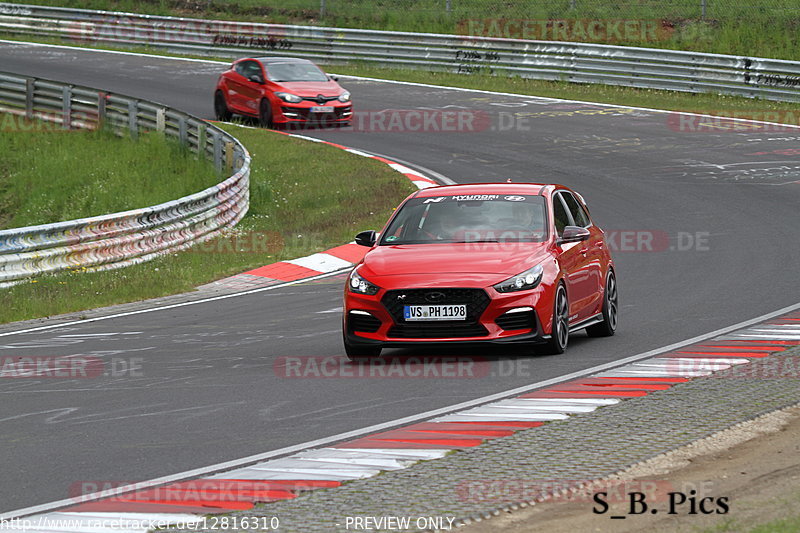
(608, 326)
(559, 335)
(265, 114)
(221, 110)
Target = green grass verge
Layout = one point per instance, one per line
(305, 197)
(786, 525)
(730, 525)
(48, 174)
(765, 29)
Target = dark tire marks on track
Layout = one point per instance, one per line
(208, 390)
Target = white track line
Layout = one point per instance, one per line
(172, 306)
(441, 412)
(411, 83)
(378, 427)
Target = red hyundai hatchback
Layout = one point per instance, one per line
(281, 90)
(498, 263)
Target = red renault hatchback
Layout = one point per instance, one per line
(485, 263)
(281, 90)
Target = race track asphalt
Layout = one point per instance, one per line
(209, 386)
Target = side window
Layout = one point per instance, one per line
(576, 210)
(248, 68)
(560, 214)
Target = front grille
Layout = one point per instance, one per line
(320, 99)
(476, 301)
(437, 330)
(298, 113)
(519, 320)
(365, 323)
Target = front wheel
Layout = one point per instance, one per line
(559, 335)
(608, 326)
(361, 353)
(265, 114)
(221, 110)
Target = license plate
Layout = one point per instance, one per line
(322, 109)
(419, 313)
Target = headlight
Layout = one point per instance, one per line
(360, 285)
(344, 97)
(522, 282)
(289, 97)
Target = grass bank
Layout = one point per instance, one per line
(767, 28)
(305, 197)
(48, 174)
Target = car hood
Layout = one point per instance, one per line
(503, 259)
(312, 88)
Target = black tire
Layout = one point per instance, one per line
(221, 110)
(361, 353)
(265, 114)
(559, 336)
(608, 326)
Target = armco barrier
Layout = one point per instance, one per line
(120, 239)
(548, 60)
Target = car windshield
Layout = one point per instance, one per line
(295, 71)
(469, 218)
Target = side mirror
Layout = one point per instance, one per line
(333, 78)
(367, 238)
(256, 78)
(574, 234)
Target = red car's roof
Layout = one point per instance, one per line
(486, 188)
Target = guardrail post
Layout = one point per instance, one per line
(101, 109)
(161, 115)
(703, 8)
(238, 159)
(29, 91)
(217, 150)
(66, 107)
(229, 156)
(183, 138)
(133, 112)
(201, 140)
(449, 6)
(321, 8)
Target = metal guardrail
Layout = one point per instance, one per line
(120, 239)
(548, 60)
